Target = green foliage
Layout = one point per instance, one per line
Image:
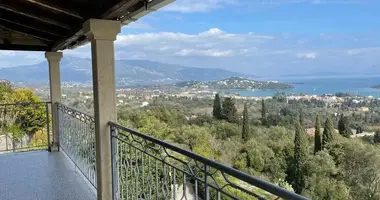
(344, 168)
(298, 176)
(317, 135)
(328, 133)
(229, 110)
(320, 183)
(376, 137)
(344, 126)
(224, 130)
(361, 167)
(217, 107)
(245, 131)
(263, 112)
(25, 119)
(5, 92)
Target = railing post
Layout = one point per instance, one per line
(207, 192)
(114, 157)
(48, 126)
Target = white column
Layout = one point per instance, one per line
(53, 59)
(102, 34)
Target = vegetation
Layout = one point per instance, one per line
(297, 175)
(229, 111)
(328, 166)
(317, 136)
(217, 108)
(344, 126)
(328, 133)
(23, 122)
(245, 131)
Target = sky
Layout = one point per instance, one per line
(256, 37)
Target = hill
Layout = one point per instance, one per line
(128, 72)
(235, 83)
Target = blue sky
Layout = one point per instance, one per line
(261, 37)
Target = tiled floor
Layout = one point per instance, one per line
(41, 175)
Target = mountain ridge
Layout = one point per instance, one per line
(128, 72)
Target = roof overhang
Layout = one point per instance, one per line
(42, 25)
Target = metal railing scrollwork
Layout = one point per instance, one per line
(77, 139)
(147, 168)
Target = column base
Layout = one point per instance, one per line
(53, 147)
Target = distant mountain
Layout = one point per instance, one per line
(128, 72)
(235, 83)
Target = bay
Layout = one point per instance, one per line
(355, 85)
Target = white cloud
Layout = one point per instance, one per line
(368, 50)
(309, 55)
(213, 43)
(253, 53)
(208, 52)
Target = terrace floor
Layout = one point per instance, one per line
(42, 175)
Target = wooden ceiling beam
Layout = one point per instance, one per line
(30, 15)
(18, 47)
(5, 24)
(55, 8)
(32, 24)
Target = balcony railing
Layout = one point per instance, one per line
(77, 139)
(143, 167)
(147, 168)
(24, 126)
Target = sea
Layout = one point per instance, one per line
(317, 85)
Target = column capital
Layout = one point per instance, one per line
(53, 56)
(100, 29)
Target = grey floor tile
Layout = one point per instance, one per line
(41, 176)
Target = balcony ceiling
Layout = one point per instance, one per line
(52, 25)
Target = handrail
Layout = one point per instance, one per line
(73, 109)
(274, 189)
(25, 103)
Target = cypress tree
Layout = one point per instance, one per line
(376, 137)
(301, 118)
(245, 131)
(344, 126)
(229, 111)
(263, 112)
(217, 108)
(328, 133)
(300, 158)
(317, 135)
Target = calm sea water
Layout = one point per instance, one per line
(323, 85)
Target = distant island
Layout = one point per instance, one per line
(235, 83)
(376, 86)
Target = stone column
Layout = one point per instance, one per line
(53, 59)
(102, 34)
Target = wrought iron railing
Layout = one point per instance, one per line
(77, 139)
(24, 126)
(147, 168)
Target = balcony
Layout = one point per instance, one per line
(143, 167)
(93, 157)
